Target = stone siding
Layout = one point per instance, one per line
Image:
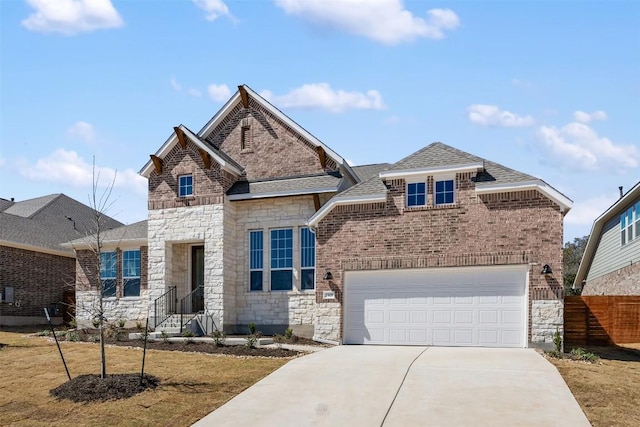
(547, 317)
(38, 279)
(625, 281)
(171, 232)
(271, 307)
(492, 229)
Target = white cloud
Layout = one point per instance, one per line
(491, 115)
(72, 16)
(385, 21)
(586, 211)
(321, 96)
(219, 93)
(83, 131)
(214, 8)
(175, 85)
(67, 167)
(580, 146)
(194, 92)
(582, 117)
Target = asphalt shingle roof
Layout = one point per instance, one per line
(301, 184)
(135, 231)
(365, 172)
(47, 222)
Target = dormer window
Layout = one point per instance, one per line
(443, 191)
(185, 185)
(416, 194)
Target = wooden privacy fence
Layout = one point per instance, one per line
(601, 320)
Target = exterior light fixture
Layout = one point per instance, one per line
(546, 270)
(327, 275)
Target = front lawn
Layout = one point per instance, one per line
(607, 391)
(191, 384)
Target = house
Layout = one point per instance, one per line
(35, 268)
(254, 220)
(611, 261)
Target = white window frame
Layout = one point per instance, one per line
(184, 175)
(421, 180)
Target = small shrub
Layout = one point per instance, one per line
(187, 333)
(251, 340)
(43, 333)
(555, 354)
(252, 328)
(585, 355)
(73, 323)
(96, 323)
(218, 337)
(139, 325)
(557, 341)
(94, 338)
(72, 336)
(288, 333)
(165, 337)
(278, 338)
(121, 323)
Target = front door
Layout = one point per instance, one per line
(197, 278)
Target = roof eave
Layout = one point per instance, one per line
(324, 210)
(37, 249)
(408, 173)
(561, 200)
(249, 196)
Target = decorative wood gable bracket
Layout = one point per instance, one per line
(182, 140)
(157, 163)
(316, 201)
(322, 155)
(206, 158)
(244, 96)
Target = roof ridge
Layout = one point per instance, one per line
(282, 178)
(57, 196)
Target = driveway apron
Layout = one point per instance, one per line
(407, 386)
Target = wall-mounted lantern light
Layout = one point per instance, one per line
(546, 270)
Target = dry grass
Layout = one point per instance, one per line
(608, 391)
(192, 384)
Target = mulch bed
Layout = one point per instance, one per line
(90, 388)
(200, 347)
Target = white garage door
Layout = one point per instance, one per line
(444, 307)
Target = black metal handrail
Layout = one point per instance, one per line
(191, 305)
(164, 306)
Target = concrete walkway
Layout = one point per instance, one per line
(407, 386)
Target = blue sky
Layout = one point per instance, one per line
(548, 88)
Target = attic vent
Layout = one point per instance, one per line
(246, 122)
(245, 136)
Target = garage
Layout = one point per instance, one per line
(472, 306)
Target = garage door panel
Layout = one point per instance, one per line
(454, 307)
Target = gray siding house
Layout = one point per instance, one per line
(611, 262)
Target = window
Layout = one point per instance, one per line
(416, 194)
(185, 185)
(282, 259)
(255, 260)
(307, 259)
(444, 192)
(629, 220)
(108, 273)
(131, 273)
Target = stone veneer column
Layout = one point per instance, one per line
(547, 316)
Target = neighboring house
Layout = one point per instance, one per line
(35, 269)
(253, 219)
(611, 261)
(123, 270)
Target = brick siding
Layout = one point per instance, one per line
(625, 281)
(494, 229)
(87, 278)
(39, 280)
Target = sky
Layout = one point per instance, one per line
(549, 88)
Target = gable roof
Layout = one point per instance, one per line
(365, 172)
(437, 157)
(44, 223)
(237, 98)
(594, 237)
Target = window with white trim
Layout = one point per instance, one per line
(256, 252)
(443, 192)
(185, 185)
(307, 259)
(416, 194)
(630, 220)
(108, 273)
(131, 273)
(282, 259)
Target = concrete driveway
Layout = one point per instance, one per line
(407, 386)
